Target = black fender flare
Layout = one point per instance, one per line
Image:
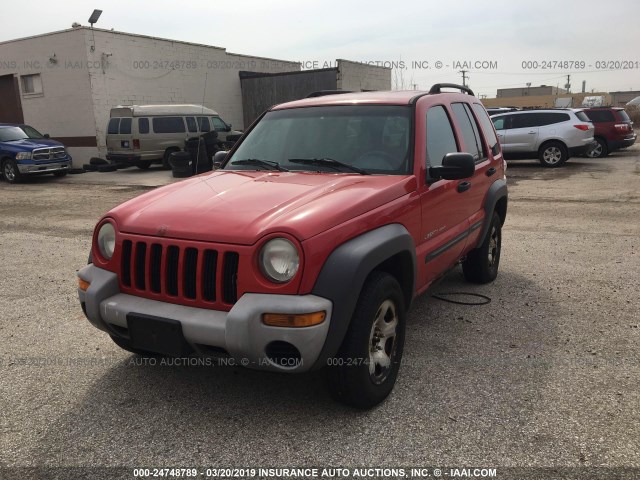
(496, 192)
(345, 271)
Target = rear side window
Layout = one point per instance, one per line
(465, 121)
(112, 129)
(125, 126)
(487, 128)
(526, 120)
(599, 116)
(168, 125)
(143, 125)
(191, 124)
(203, 123)
(440, 137)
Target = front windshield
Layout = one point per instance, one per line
(31, 132)
(372, 139)
(9, 134)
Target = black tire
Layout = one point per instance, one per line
(60, 174)
(107, 168)
(602, 150)
(552, 154)
(165, 159)
(481, 264)
(98, 161)
(10, 171)
(143, 165)
(349, 376)
(125, 345)
(89, 167)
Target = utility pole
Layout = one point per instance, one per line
(568, 85)
(464, 77)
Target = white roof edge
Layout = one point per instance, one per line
(167, 109)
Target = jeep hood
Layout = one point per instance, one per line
(240, 207)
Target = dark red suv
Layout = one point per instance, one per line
(614, 130)
(305, 249)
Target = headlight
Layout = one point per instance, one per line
(279, 260)
(23, 156)
(107, 240)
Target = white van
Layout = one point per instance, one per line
(144, 134)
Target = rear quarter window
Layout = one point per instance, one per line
(582, 117)
(599, 116)
(624, 116)
(168, 125)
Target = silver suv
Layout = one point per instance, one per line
(552, 136)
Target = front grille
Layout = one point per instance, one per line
(181, 273)
(53, 153)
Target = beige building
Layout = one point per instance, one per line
(64, 83)
(545, 101)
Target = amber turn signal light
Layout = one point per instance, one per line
(83, 284)
(293, 320)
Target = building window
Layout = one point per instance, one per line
(31, 84)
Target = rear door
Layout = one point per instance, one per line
(522, 137)
(119, 137)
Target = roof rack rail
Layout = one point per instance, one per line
(436, 88)
(322, 93)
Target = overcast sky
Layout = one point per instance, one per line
(506, 33)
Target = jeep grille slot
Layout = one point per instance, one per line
(178, 271)
(173, 254)
(209, 266)
(140, 260)
(230, 277)
(155, 267)
(126, 263)
(189, 273)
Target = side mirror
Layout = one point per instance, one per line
(455, 166)
(46, 135)
(228, 129)
(218, 159)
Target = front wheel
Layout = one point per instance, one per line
(481, 264)
(10, 171)
(553, 154)
(365, 369)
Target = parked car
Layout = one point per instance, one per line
(301, 253)
(144, 134)
(552, 136)
(613, 130)
(25, 151)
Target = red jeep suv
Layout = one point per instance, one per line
(613, 130)
(305, 249)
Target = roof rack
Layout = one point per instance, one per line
(322, 93)
(436, 88)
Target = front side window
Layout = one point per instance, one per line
(371, 139)
(218, 124)
(440, 137)
(168, 125)
(503, 122)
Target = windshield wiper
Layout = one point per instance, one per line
(261, 163)
(329, 162)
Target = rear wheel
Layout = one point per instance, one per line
(365, 369)
(481, 264)
(553, 154)
(601, 150)
(10, 171)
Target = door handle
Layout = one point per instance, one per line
(532, 133)
(490, 171)
(464, 186)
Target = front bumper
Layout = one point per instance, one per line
(28, 168)
(239, 332)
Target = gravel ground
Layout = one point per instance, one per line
(546, 375)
